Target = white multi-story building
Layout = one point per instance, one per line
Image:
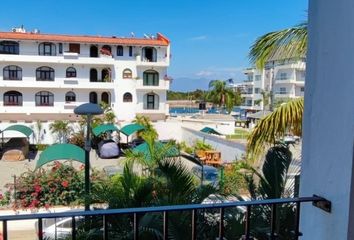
(286, 80)
(45, 76)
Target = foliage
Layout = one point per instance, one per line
(41, 147)
(285, 119)
(194, 95)
(37, 131)
(149, 130)
(285, 44)
(78, 139)
(182, 146)
(201, 145)
(61, 129)
(59, 184)
(239, 134)
(234, 182)
(221, 95)
(5, 198)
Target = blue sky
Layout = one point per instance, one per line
(210, 38)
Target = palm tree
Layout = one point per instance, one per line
(285, 119)
(149, 130)
(284, 44)
(221, 95)
(62, 129)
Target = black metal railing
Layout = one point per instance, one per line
(136, 213)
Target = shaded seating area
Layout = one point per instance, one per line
(129, 130)
(17, 148)
(106, 148)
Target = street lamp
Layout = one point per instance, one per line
(88, 109)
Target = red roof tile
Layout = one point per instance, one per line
(159, 41)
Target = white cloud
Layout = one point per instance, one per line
(198, 38)
(221, 72)
(204, 73)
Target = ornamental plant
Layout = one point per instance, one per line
(5, 198)
(58, 184)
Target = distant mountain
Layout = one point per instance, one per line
(189, 84)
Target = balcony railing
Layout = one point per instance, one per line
(137, 213)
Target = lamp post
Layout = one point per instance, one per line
(88, 109)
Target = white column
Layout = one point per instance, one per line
(327, 167)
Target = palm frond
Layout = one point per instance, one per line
(286, 118)
(283, 44)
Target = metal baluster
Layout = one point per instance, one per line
(221, 224)
(136, 227)
(4, 230)
(105, 227)
(73, 228)
(273, 222)
(297, 221)
(194, 224)
(40, 229)
(247, 224)
(165, 225)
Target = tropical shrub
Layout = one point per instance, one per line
(201, 145)
(5, 198)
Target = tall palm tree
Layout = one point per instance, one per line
(221, 94)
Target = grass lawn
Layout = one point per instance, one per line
(239, 134)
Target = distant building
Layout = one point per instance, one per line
(45, 76)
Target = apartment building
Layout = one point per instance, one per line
(45, 76)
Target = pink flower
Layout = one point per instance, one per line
(65, 184)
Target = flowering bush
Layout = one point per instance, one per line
(105, 51)
(5, 198)
(60, 184)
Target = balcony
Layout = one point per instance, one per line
(193, 215)
(160, 62)
(163, 85)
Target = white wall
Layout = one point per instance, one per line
(327, 157)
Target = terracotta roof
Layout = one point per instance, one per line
(159, 41)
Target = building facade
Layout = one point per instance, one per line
(285, 79)
(45, 76)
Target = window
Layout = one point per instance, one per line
(283, 76)
(249, 103)
(149, 54)
(151, 101)
(74, 48)
(282, 90)
(258, 77)
(93, 75)
(257, 90)
(60, 48)
(45, 74)
(151, 78)
(71, 72)
(105, 97)
(127, 97)
(127, 73)
(249, 91)
(47, 49)
(106, 75)
(70, 97)
(93, 97)
(120, 51)
(44, 98)
(9, 47)
(106, 50)
(93, 51)
(250, 77)
(130, 51)
(302, 89)
(12, 98)
(12, 73)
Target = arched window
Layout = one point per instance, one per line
(93, 75)
(149, 54)
(71, 72)
(93, 97)
(105, 97)
(70, 97)
(127, 73)
(151, 101)
(47, 49)
(44, 98)
(106, 75)
(127, 97)
(120, 50)
(12, 73)
(12, 98)
(45, 74)
(151, 78)
(106, 50)
(93, 51)
(9, 47)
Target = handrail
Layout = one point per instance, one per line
(161, 208)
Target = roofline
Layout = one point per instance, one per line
(160, 40)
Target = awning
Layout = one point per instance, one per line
(144, 149)
(19, 128)
(210, 131)
(104, 128)
(64, 151)
(131, 128)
